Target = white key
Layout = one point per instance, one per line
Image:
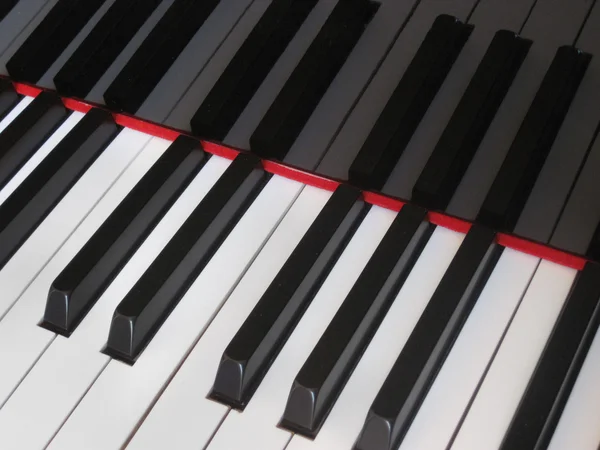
(66, 216)
(578, 426)
(17, 109)
(21, 340)
(506, 380)
(118, 400)
(183, 417)
(258, 423)
(347, 416)
(69, 366)
(474, 348)
(40, 154)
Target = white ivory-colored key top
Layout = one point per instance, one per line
(66, 216)
(498, 397)
(118, 400)
(474, 348)
(18, 109)
(256, 427)
(65, 371)
(183, 409)
(347, 416)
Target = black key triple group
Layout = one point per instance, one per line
(256, 345)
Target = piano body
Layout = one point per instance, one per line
(299, 224)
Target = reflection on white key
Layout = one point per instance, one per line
(579, 425)
(474, 348)
(40, 154)
(68, 367)
(120, 397)
(257, 425)
(18, 108)
(183, 417)
(347, 416)
(66, 216)
(498, 398)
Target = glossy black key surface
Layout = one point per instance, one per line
(330, 364)
(258, 341)
(8, 97)
(148, 304)
(27, 132)
(411, 376)
(409, 102)
(470, 121)
(101, 47)
(311, 78)
(157, 53)
(30, 203)
(50, 38)
(90, 272)
(528, 429)
(527, 154)
(6, 6)
(249, 67)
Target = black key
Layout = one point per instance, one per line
(27, 132)
(593, 250)
(410, 378)
(157, 53)
(546, 385)
(50, 38)
(35, 197)
(332, 361)
(148, 304)
(309, 81)
(409, 102)
(525, 159)
(102, 46)
(470, 120)
(8, 97)
(6, 6)
(257, 343)
(249, 67)
(91, 271)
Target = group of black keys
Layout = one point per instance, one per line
(257, 343)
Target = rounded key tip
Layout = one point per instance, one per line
(228, 385)
(299, 415)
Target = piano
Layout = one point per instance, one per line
(299, 224)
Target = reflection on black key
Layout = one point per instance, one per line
(410, 378)
(330, 364)
(102, 46)
(8, 97)
(265, 331)
(309, 81)
(35, 197)
(6, 6)
(409, 102)
(249, 67)
(525, 159)
(471, 119)
(157, 53)
(91, 271)
(50, 38)
(545, 397)
(27, 132)
(148, 304)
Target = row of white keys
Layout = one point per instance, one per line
(121, 395)
(70, 211)
(578, 426)
(348, 413)
(256, 427)
(68, 367)
(21, 340)
(498, 397)
(183, 417)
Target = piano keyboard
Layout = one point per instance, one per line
(299, 225)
